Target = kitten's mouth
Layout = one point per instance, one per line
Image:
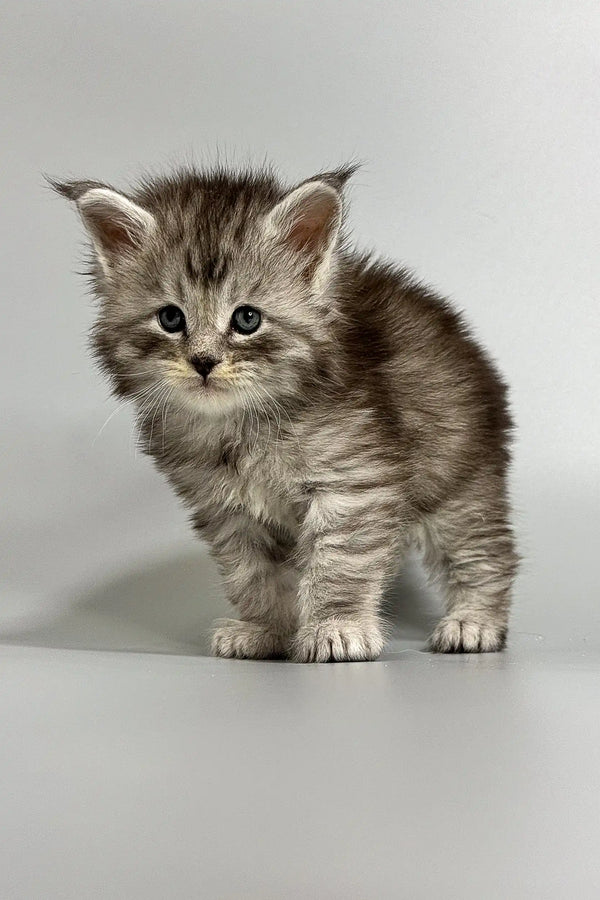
(211, 397)
(207, 391)
(205, 386)
(209, 384)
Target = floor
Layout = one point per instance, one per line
(136, 766)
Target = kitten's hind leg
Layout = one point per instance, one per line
(470, 542)
(260, 581)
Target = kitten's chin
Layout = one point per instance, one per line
(209, 399)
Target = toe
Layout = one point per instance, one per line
(337, 641)
(453, 635)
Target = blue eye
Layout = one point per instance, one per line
(171, 318)
(245, 319)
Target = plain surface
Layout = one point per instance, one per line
(149, 776)
(156, 771)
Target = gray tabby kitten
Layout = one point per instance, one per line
(317, 410)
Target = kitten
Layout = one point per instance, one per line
(318, 411)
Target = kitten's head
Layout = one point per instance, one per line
(213, 287)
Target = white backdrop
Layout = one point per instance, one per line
(479, 125)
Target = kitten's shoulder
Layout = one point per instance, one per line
(395, 324)
(379, 286)
(387, 310)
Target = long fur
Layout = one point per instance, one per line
(361, 417)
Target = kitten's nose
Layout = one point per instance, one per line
(204, 365)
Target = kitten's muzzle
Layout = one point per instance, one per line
(204, 365)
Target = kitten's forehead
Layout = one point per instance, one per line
(205, 269)
(210, 212)
(205, 296)
(208, 229)
(207, 278)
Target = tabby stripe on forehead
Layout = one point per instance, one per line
(190, 267)
(215, 269)
(209, 271)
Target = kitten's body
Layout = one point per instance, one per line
(369, 418)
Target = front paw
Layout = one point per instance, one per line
(246, 640)
(460, 635)
(337, 640)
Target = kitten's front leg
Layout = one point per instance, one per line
(349, 542)
(260, 581)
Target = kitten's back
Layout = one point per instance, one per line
(412, 357)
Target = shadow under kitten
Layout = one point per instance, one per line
(169, 607)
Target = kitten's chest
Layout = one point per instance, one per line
(260, 477)
(265, 487)
(217, 467)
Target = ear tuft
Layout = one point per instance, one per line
(72, 190)
(337, 178)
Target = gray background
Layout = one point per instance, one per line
(171, 774)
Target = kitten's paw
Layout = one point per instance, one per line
(337, 640)
(455, 635)
(246, 640)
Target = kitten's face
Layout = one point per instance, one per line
(233, 329)
(212, 292)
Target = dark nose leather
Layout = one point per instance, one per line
(204, 365)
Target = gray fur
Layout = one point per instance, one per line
(361, 417)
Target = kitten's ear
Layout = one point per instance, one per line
(308, 221)
(117, 226)
(337, 178)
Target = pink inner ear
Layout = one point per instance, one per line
(113, 235)
(311, 223)
(116, 225)
(305, 233)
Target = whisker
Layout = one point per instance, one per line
(165, 414)
(158, 404)
(147, 406)
(107, 420)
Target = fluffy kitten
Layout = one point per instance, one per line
(317, 410)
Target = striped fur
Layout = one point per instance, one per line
(359, 418)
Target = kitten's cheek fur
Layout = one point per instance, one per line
(337, 640)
